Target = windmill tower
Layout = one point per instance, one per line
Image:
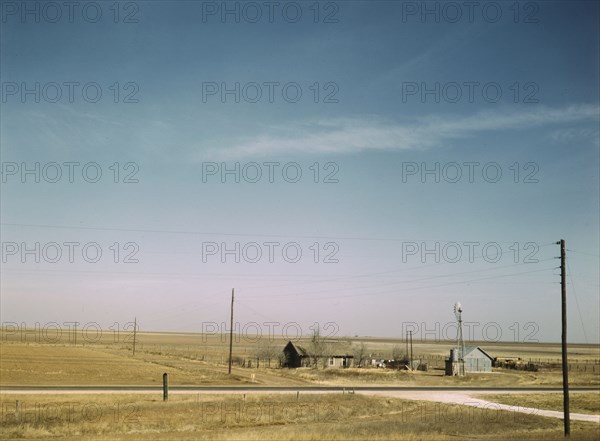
(460, 368)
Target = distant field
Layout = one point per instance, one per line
(215, 347)
(266, 417)
(66, 365)
(196, 359)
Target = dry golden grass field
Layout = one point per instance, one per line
(197, 360)
(579, 403)
(268, 417)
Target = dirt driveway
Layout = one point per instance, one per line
(469, 398)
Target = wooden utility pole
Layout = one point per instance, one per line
(134, 333)
(231, 333)
(565, 366)
(411, 351)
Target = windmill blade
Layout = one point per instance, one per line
(458, 311)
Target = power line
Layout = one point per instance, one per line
(415, 288)
(382, 272)
(229, 276)
(206, 233)
(403, 281)
(586, 254)
(576, 301)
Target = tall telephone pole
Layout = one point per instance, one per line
(411, 352)
(231, 333)
(134, 333)
(565, 366)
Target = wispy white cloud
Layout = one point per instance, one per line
(577, 134)
(347, 136)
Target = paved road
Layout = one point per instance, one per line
(248, 388)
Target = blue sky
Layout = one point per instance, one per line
(534, 108)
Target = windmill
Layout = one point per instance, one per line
(459, 336)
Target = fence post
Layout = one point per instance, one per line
(165, 386)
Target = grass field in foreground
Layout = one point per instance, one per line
(267, 417)
(578, 402)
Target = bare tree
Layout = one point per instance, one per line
(280, 358)
(267, 351)
(360, 353)
(317, 348)
(398, 355)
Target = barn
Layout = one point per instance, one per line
(295, 356)
(475, 359)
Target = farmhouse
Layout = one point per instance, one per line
(296, 356)
(475, 359)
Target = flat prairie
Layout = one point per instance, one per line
(201, 360)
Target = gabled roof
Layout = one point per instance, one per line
(470, 349)
(299, 349)
(332, 352)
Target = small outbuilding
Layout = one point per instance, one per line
(475, 360)
(295, 356)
